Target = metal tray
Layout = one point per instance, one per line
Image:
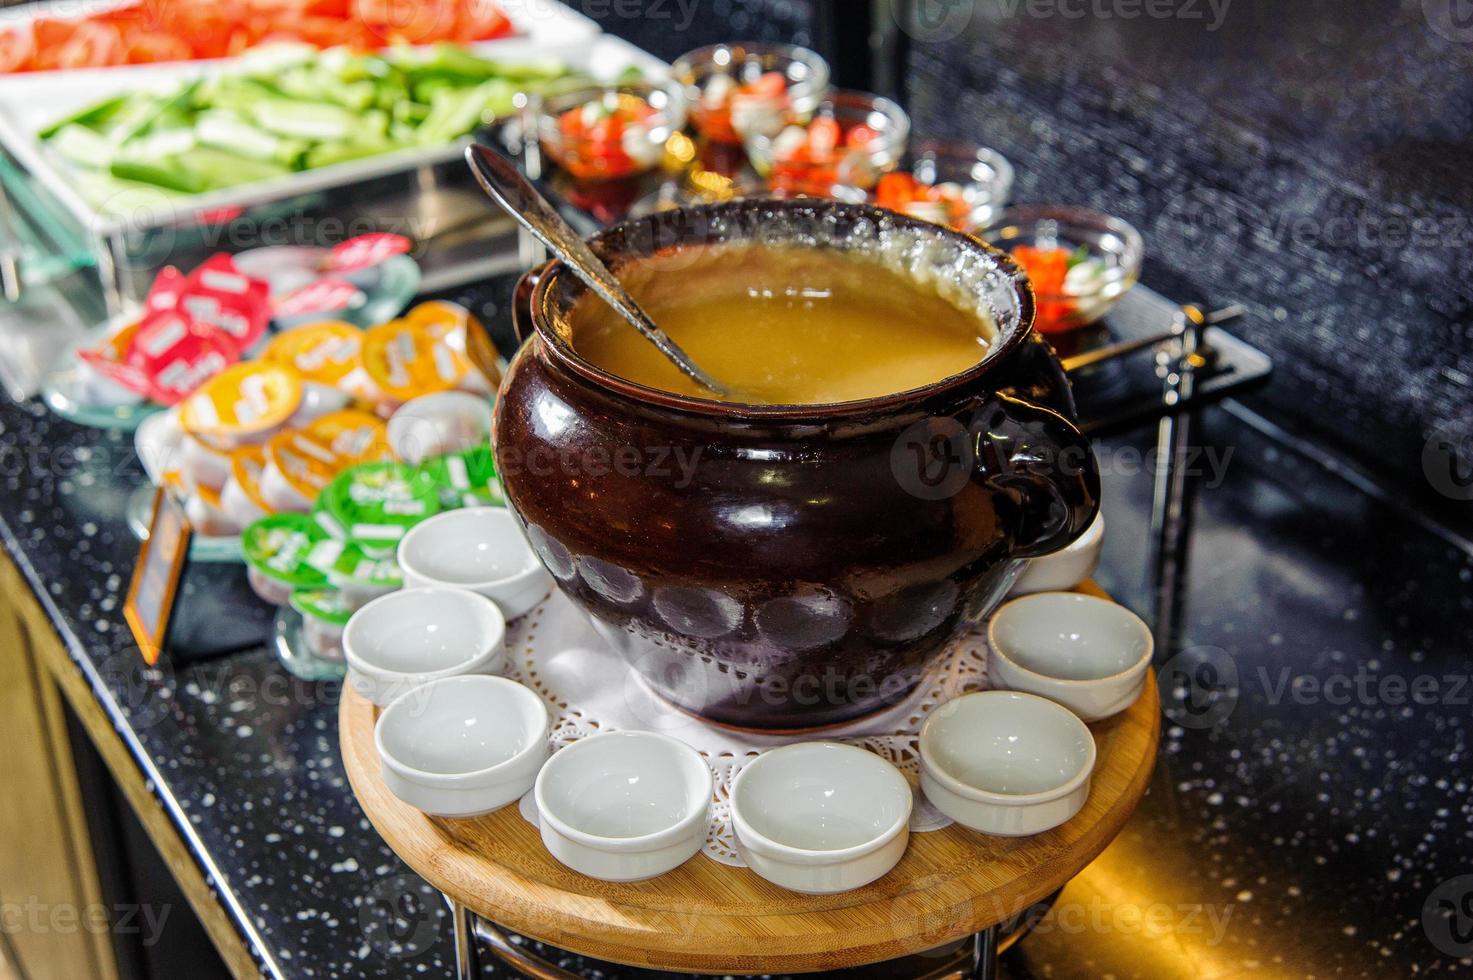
(422, 192)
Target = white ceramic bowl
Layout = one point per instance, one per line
(1065, 569)
(624, 806)
(433, 425)
(462, 746)
(1088, 654)
(820, 817)
(406, 639)
(1006, 763)
(480, 549)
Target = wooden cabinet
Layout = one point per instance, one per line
(51, 904)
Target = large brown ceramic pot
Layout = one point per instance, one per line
(791, 567)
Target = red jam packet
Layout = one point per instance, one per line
(218, 296)
(365, 251)
(321, 296)
(110, 359)
(174, 358)
(164, 293)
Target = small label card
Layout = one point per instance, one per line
(161, 559)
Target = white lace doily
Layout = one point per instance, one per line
(590, 689)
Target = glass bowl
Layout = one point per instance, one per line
(1080, 261)
(732, 90)
(960, 186)
(853, 138)
(605, 132)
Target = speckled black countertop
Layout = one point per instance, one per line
(1302, 834)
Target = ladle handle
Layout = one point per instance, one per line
(501, 179)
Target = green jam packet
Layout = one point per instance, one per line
(287, 548)
(324, 605)
(467, 479)
(355, 566)
(375, 504)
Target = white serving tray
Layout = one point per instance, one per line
(31, 101)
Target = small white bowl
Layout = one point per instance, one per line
(406, 639)
(433, 425)
(1088, 654)
(820, 817)
(624, 806)
(480, 549)
(462, 746)
(1006, 763)
(1063, 570)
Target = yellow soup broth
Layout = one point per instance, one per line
(783, 326)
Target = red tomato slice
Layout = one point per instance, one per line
(771, 84)
(149, 47)
(17, 46)
(50, 34)
(481, 20)
(92, 45)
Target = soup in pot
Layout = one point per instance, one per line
(784, 325)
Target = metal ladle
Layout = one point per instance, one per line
(501, 179)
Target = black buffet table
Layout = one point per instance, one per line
(1302, 833)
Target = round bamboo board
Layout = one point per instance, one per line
(708, 918)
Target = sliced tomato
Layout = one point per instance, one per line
(92, 45)
(409, 21)
(17, 48)
(51, 34)
(150, 47)
(481, 20)
(771, 85)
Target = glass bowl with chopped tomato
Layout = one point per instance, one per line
(733, 90)
(852, 139)
(1081, 262)
(954, 184)
(606, 132)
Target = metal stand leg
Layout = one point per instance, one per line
(984, 955)
(1175, 491)
(467, 966)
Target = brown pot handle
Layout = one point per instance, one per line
(1039, 466)
(521, 303)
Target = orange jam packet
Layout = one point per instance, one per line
(322, 352)
(353, 434)
(406, 359)
(246, 465)
(243, 400)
